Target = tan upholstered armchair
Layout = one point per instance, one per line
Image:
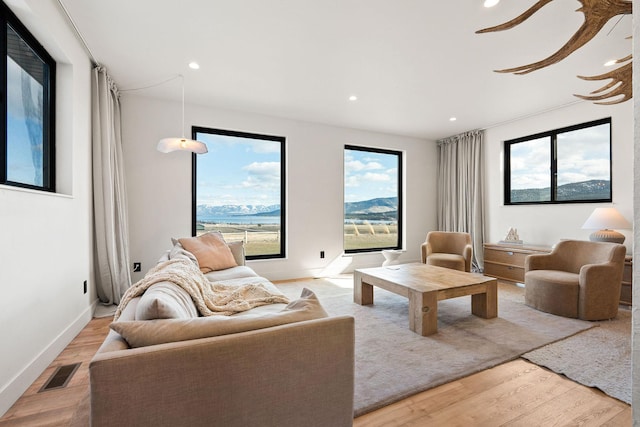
(448, 249)
(579, 279)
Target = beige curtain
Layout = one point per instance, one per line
(460, 186)
(111, 235)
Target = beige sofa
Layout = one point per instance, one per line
(274, 365)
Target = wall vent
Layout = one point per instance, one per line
(60, 377)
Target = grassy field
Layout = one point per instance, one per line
(265, 239)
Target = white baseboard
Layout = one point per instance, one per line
(23, 380)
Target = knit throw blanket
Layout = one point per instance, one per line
(210, 298)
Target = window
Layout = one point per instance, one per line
(27, 150)
(238, 189)
(568, 165)
(372, 199)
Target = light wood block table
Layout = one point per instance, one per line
(425, 285)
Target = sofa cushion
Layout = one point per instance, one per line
(210, 250)
(238, 272)
(152, 332)
(165, 300)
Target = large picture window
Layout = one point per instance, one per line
(372, 199)
(27, 151)
(568, 165)
(238, 189)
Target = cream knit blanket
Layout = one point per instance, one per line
(210, 298)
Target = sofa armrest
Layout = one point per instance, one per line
(295, 374)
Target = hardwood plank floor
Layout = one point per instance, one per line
(517, 393)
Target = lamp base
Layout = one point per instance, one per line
(605, 235)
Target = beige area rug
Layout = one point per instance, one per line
(599, 357)
(393, 363)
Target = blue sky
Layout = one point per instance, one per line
(245, 171)
(238, 171)
(369, 175)
(582, 155)
(21, 167)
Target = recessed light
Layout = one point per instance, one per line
(610, 62)
(452, 119)
(491, 3)
(353, 98)
(194, 65)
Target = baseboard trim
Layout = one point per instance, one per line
(23, 380)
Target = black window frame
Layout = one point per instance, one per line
(400, 225)
(553, 139)
(8, 18)
(225, 132)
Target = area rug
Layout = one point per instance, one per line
(599, 357)
(393, 363)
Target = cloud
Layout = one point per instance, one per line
(376, 177)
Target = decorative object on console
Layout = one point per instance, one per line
(167, 145)
(390, 256)
(596, 15)
(604, 220)
(512, 237)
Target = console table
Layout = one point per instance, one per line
(506, 262)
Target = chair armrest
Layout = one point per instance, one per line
(295, 374)
(601, 277)
(467, 253)
(426, 251)
(541, 262)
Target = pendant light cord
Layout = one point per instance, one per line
(180, 76)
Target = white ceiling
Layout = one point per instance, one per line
(412, 63)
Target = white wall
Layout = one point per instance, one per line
(45, 255)
(159, 185)
(547, 224)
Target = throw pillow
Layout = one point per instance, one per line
(177, 251)
(145, 333)
(165, 300)
(210, 250)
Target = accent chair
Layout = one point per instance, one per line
(448, 249)
(579, 279)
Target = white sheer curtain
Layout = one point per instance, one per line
(460, 198)
(111, 234)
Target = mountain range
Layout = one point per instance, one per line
(374, 209)
(595, 189)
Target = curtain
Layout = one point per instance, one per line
(460, 184)
(111, 235)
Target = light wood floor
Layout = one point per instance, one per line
(517, 393)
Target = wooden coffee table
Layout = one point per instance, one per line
(425, 285)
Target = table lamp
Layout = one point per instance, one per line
(604, 220)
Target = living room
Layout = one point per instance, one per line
(54, 231)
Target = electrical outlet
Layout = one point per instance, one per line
(85, 286)
(321, 254)
(137, 267)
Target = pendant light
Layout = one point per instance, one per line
(167, 145)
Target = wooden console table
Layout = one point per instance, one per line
(506, 262)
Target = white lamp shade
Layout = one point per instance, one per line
(168, 145)
(606, 218)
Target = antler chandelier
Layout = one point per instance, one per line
(596, 14)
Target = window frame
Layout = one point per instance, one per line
(8, 18)
(400, 187)
(225, 132)
(553, 169)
